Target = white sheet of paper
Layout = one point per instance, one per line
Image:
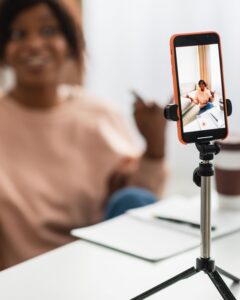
(132, 236)
(225, 221)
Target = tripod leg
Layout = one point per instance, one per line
(190, 272)
(228, 275)
(221, 285)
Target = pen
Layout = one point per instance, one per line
(214, 117)
(178, 221)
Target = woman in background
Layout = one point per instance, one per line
(65, 157)
(203, 97)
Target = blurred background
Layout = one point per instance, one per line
(128, 49)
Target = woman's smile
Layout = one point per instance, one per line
(36, 62)
(37, 49)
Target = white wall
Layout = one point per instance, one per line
(128, 47)
(188, 64)
(215, 70)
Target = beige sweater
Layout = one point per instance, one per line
(54, 169)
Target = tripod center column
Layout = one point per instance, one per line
(206, 216)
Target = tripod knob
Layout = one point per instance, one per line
(171, 112)
(229, 107)
(197, 177)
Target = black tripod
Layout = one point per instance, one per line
(202, 177)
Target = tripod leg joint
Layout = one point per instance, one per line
(205, 264)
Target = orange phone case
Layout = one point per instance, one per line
(175, 83)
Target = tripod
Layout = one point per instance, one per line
(202, 177)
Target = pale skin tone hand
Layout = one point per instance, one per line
(213, 95)
(193, 100)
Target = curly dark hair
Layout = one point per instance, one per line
(71, 29)
(201, 81)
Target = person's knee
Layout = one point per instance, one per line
(128, 198)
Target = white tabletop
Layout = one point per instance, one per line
(85, 271)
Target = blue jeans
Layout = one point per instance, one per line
(206, 107)
(128, 198)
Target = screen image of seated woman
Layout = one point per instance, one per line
(202, 108)
(203, 97)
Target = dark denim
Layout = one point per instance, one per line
(206, 107)
(128, 198)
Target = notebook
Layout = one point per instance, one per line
(138, 234)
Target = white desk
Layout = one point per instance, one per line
(213, 118)
(84, 271)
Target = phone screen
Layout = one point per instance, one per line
(200, 88)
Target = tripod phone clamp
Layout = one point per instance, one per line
(171, 111)
(202, 178)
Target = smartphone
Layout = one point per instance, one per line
(199, 87)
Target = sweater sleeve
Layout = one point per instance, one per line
(151, 174)
(125, 155)
(139, 170)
